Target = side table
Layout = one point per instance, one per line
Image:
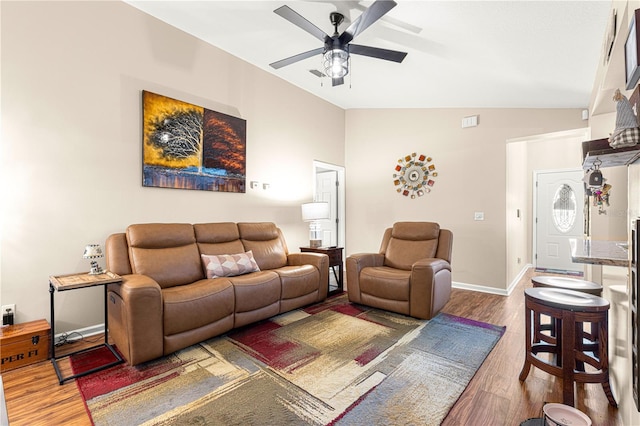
(335, 259)
(74, 282)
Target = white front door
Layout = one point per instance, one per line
(327, 190)
(559, 212)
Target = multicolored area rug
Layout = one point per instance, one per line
(333, 363)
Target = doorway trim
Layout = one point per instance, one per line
(321, 166)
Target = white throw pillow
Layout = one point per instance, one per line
(229, 265)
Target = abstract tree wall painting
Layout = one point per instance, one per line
(189, 147)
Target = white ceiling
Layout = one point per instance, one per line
(511, 54)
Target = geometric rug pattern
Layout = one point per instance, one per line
(334, 363)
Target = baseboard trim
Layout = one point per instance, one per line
(493, 290)
(479, 288)
(79, 334)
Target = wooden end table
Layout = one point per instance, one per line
(74, 282)
(335, 259)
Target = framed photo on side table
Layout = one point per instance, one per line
(631, 52)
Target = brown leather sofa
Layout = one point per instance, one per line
(410, 275)
(166, 302)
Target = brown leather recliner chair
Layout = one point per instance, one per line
(410, 275)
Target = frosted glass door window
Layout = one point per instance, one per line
(564, 208)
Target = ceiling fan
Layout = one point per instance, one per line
(338, 47)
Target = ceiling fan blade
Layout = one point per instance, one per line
(368, 17)
(296, 19)
(295, 58)
(376, 52)
(337, 81)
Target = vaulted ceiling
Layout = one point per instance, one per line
(511, 54)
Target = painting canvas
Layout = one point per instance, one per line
(190, 147)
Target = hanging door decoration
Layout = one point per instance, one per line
(414, 175)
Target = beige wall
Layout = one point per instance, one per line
(72, 75)
(471, 165)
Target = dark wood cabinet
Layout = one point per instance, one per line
(335, 261)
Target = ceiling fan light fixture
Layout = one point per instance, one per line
(336, 63)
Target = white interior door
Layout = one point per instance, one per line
(327, 190)
(559, 210)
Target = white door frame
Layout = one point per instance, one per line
(319, 166)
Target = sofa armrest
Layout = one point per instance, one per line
(355, 264)
(320, 261)
(430, 287)
(135, 318)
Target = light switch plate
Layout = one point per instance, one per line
(478, 216)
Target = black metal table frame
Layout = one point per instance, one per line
(54, 358)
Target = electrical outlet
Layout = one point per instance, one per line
(5, 310)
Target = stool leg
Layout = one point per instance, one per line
(527, 330)
(580, 336)
(568, 357)
(603, 351)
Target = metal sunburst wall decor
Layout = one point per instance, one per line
(414, 175)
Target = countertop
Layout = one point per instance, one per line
(599, 252)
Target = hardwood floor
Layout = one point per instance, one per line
(495, 396)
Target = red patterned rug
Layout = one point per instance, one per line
(331, 363)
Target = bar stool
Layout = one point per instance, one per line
(566, 283)
(568, 309)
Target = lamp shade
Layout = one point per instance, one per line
(315, 211)
(92, 251)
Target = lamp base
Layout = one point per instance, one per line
(315, 243)
(95, 268)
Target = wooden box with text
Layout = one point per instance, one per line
(24, 344)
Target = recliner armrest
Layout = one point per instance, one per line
(363, 260)
(318, 260)
(355, 264)
(434, 264)
(430, 287)
(139, 319)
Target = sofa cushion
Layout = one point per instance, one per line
(256, 290)
(298, 280)
(385, 283)
(228, 265)
(266, 242)
(189, 307)
(166, 252)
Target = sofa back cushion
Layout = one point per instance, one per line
(218, 238)
(408, 242)
(266, 242)
(167, 252)
(117, 254)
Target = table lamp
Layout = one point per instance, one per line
(94, 251)
(313, 213)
